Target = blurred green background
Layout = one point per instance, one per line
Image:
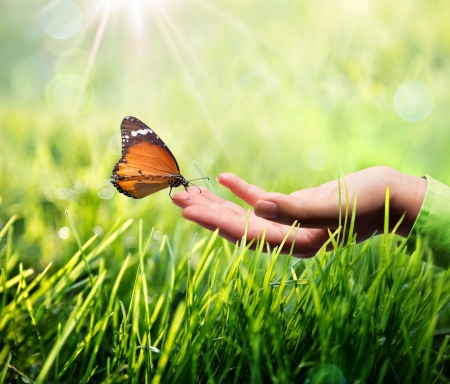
(280, 93)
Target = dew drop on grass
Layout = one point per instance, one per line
(130, 242)
(98, 230)
(64, 233)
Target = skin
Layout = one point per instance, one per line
(316, 209)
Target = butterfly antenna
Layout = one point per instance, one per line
(200, 178)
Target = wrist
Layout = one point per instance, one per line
(406, 199)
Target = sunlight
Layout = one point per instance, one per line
(92, 54)
(233, 22)
(130, 24)
(212, 124)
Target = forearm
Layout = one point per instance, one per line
(433, 223)
(406, 199)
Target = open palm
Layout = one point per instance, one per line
(316, 209)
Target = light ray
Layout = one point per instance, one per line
(230, 20)
(212, 124)
(183, 43)
(94, 50)
(97, 41)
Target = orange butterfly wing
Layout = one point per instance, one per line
(147, 165)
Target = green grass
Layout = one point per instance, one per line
(361, 313)
(127, 291)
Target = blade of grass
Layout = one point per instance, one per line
(83, 255)
(72, 321)
(5, 368)
(105, 319)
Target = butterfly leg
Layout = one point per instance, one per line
(195, 187)
(186, 188)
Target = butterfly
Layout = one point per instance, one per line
(147, 164)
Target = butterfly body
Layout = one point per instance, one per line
(147, 164)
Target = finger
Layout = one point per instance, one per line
(204, 198)
(181, 197)
(303, 242)
(232, 227)
(245, 191)
(321, 212)
(193, 194)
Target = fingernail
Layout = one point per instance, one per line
(266, 209)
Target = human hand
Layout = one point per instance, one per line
(315, 209)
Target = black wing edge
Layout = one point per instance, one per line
(126, 129)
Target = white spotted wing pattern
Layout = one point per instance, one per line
(147, 164)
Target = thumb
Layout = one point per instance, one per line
(310, 213)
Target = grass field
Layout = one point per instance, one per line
(283, 95)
